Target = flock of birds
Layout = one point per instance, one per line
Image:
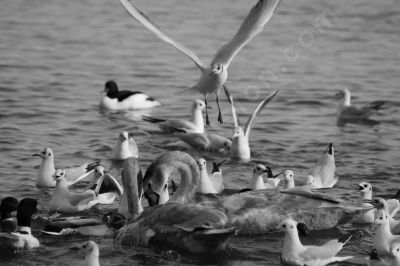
(176, 218)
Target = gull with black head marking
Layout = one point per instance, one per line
(295, 253)
(365, 195)
(390, 206)
(324, 170)
(47, 170)
(114, 99)
(240, 148)
(194, 125)
(213, 77)
(383, 237)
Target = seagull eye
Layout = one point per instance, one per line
(365, 186)
(284, 226)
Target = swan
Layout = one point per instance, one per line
(178, 224)
(253, 212)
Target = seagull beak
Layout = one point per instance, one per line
(360, 187)
(36, 155)
(281, 173)
(209, 107)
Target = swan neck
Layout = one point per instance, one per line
(131, 205)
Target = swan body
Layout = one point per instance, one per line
(47, 170)
(177, 224)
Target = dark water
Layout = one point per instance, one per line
(56, 55)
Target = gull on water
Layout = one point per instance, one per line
(47, 170)
(22, 237)
(7, 207)
(65, 201)
(125, 147)
(257, 181)
(324, 170)
(295, 253)
(194, 125)
(213, 184)
(392, 260)
(213, 77)
(240, 148)
(390, 206)
(365, 195)
(114, 99)
(178, 224)
(350, 113)
(205, 141)
(91, 252)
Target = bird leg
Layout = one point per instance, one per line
(207, 119)
(219, 111)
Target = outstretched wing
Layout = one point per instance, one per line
(258, 110)
(253, 24)
(146, 22)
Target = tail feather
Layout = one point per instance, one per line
(152, 119)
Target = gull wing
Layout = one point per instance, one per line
(147, 23)
(258, 110)
(253, 24)
(196, 140)
(326, 251)
(393, 206)
(234, 114)
(108, 183)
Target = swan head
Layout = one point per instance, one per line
(364, 187)
(47, 153)
(59, 175)
(382, 217)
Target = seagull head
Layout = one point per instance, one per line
(364, 187)
(395, 249)
(259, 169)
(202, 163)
(45, 154)
(99, 171)
(382, 217)
(59, 174)
(87, 248)
(217, 68)
(378, 203)
(292, 227)
(309, 180)
(198, 105)
(123, 136)
(237, 132)
(288, 175)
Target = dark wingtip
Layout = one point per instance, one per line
(303, 230)
(216, 167)
(397, 195)
(330, 149)
(373, 255)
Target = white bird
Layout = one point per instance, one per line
(209, 184)
(125, 147)
(214, 77)
(390, 206)
(114, 99)
(324, 170)
(240, 148)
(257, 181)
(22, 237)
(206, 141)
(365, 194)
(349, 113)
(392, 260)
(105, 186)
(65, 201)
(295, 253)
(47, 170)
(288, 179)
(91, 252)
(383, 237)
(194, 125)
